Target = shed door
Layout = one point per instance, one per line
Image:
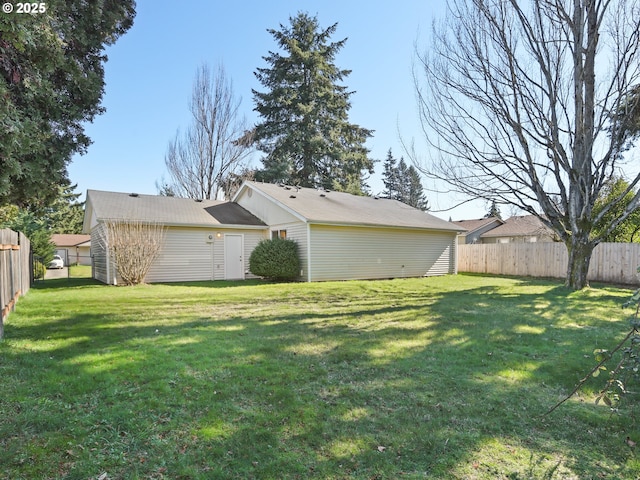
(234, 257)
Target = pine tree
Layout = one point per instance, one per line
(494, 211)
(403, 183)
(416, 197)
(390, 176)
(304, 131)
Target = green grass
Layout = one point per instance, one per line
(443, 377)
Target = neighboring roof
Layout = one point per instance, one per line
(167, 210)
(519, 226)
(473, 225)
(329, 207)
(69, 240)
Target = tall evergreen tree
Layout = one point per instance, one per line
(51, 86)
(494, 211)
(416, 196)
(304, 131)
(403, 183)
(390, 176)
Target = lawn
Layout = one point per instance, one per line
(444, 377)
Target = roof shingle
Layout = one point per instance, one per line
(320, 206)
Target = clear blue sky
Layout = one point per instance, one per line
(151, 70)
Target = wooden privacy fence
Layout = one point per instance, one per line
(610, 262)
(15, 271)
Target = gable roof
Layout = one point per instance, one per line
(473, 225)
(69, 239)
(339, 208)
(519, 226)
(171, 211)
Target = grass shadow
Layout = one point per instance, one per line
(433, 378)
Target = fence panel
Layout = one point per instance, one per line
(15, 271)
(610, 262)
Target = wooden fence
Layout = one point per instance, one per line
(15, 271)
(610, 262)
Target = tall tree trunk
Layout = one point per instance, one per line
(579, 249)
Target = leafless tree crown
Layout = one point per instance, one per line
(213, 146)
(517, 99)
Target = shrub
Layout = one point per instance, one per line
(275, 259)
(39, 270)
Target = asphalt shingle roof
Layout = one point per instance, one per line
(319, 206)
(168, 210)
(519, 226)
(473, 225)
(69, 239)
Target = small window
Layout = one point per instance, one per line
(279, 234)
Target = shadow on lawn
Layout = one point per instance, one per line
(356, 387)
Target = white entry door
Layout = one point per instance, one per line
(234, 257)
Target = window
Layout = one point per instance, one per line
(279, 234)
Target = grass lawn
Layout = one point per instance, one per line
(444, 377)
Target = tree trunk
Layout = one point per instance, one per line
(580, 250)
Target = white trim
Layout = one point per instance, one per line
(272, 200)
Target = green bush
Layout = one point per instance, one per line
(275, 259)
(39, 269)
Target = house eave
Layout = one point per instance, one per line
(379, 225)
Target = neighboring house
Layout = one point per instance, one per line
(73, 249)
(475, 228)
(339, 236)
(519, 229)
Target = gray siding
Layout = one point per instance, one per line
(345, 253)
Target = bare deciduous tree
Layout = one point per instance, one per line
(214, 145)
(133, 245)
(516, 99)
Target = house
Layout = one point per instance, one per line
(74, 249)
(340, 236)
(205, 240)
(519, 229)
(475, 229)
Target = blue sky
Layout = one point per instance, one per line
(151, 70)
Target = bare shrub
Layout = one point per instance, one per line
(134, 245)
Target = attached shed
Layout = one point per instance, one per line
(342, 236)
(205, 240)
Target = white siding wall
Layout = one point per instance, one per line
(251, 239)
(99, 254)
(189, 255)
(298, 233)
(265, 209)
(344, 253)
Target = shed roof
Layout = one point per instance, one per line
(329, 207)
(168, 210)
